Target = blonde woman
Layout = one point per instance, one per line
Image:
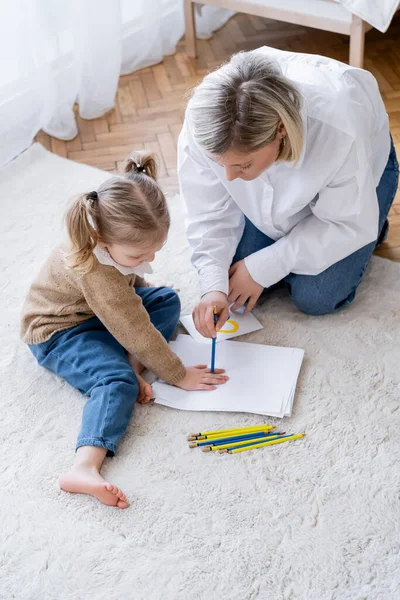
(288, 173)
(90, 317)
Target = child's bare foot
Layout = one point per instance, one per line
(87, 480)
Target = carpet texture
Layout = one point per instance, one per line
(317, 519)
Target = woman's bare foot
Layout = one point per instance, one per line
(83, 479)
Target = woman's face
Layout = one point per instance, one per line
(248, 166)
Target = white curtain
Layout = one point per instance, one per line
(54, 53)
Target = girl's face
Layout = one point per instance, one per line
(251, 165)
(132, 255)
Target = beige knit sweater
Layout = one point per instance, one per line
(61, 298)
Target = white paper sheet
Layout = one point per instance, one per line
(236, 325)
(262, 378)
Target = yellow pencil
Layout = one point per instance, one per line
(212, 438)
(221, 432)
(211, 441)
(297, 436)
(242, 443)
(260, 426)
(235, 432)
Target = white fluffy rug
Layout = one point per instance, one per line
(314, 520)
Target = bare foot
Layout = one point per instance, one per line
(87, 480)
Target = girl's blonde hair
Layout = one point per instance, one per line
(241, 105)
(126, 209)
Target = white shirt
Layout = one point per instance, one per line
(318, 211)
(105, 258)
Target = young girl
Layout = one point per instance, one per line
(90, 317)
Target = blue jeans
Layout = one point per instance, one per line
(335, 287)
(90, 359)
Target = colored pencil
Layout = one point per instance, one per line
(236, 438)
(226, 438)
(213, 436)
(220, 432)
(297, 436)
(244, 428)
(231, 434)
(250, 442)
(214, 342)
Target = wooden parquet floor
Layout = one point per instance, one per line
(150, 103)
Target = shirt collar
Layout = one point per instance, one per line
(105, 258)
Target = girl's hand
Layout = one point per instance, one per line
(203, 314)
(242, 287)
(145, 391)
(201, 378)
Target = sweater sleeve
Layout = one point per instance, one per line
(120, 309)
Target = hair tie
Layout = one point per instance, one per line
(140, 169)
(93, 196)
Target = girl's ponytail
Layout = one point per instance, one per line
(141, 163)
(81, 232)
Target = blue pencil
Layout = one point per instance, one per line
(214, 343)
(237, 438)
(253, 443)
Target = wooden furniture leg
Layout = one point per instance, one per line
(190, 28)
(357, 38)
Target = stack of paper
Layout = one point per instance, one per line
(262, 379)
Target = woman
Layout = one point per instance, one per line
(288, 172)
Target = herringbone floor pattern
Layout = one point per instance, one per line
(150, 103)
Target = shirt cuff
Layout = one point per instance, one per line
(265, 268)
(213, 279)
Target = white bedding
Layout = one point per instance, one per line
(377, 13)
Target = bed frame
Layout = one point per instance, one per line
(321, 14)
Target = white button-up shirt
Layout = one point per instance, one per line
(318, 211)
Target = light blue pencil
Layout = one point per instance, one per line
(214, 343)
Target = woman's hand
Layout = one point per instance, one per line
(201, 378)
(242, 287)
(203, 314)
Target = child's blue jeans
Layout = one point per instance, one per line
(90, 359)
(335, 287)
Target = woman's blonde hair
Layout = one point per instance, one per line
(241, 105)
(126, 209)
